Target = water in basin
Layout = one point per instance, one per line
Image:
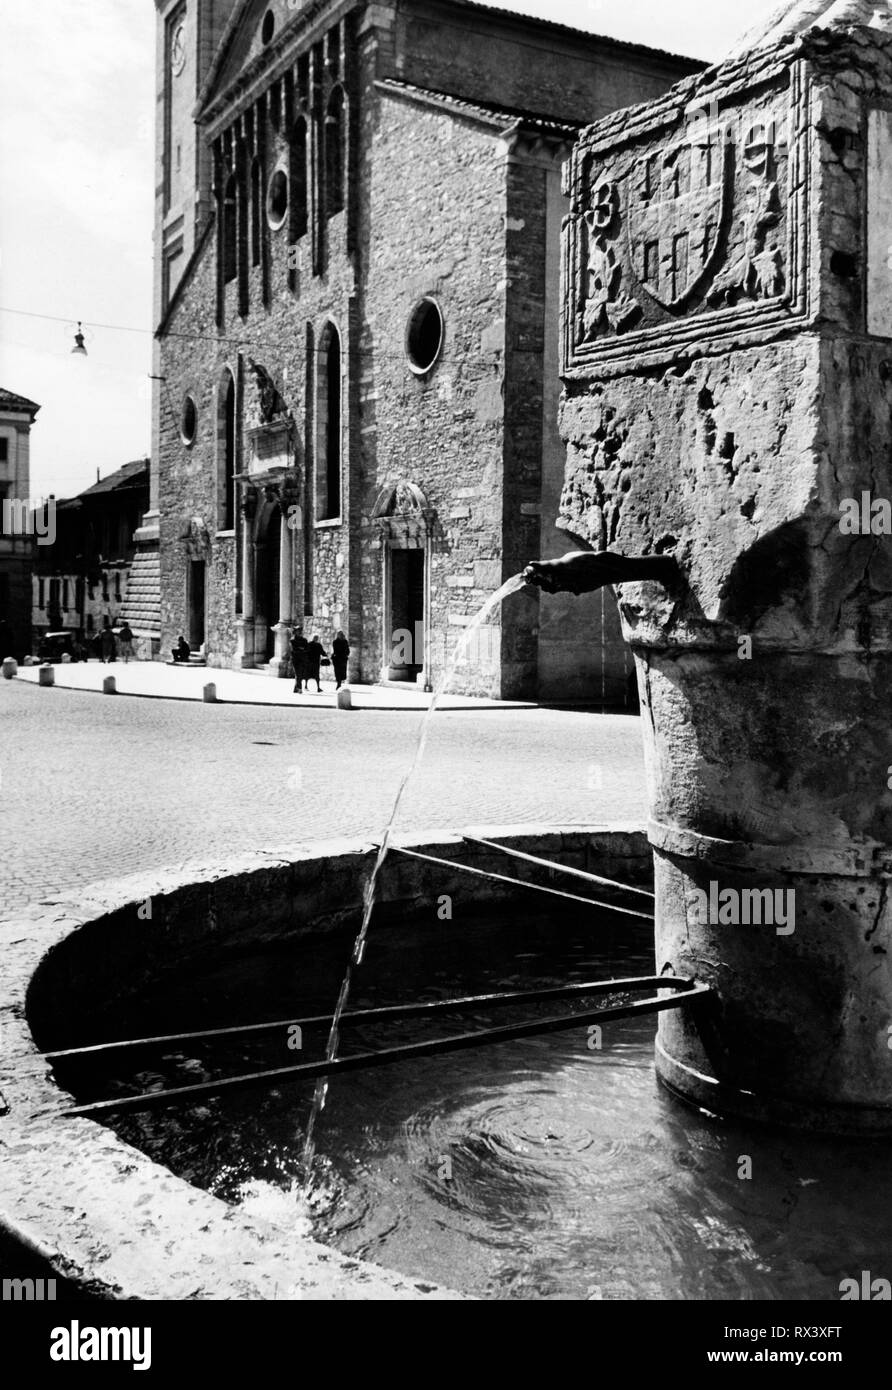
(539, 1168)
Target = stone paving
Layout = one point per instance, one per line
(95, 787)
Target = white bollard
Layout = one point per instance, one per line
(343, 698)
(10, 667)
(109, 686)
(209, 693)
(46, 675)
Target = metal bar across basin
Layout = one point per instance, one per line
(386, 1056)
(559, 868)
(520, 883)
(390, 1011)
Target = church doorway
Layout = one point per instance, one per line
(196, 604)
(269, 555)
(406, 614)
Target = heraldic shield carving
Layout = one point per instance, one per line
(676, 216)
(687, 232)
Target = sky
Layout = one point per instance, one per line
(76, 149)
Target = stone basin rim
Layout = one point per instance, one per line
(105, 1215)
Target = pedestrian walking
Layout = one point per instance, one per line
(125, 640)
(316, 654)
(299, 647)
(107, 642)
(340, 650)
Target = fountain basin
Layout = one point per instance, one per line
(104, 1214)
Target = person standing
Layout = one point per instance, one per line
(125, 637)
(340, 650)
(299, 647)
(107, 642)
(315, 656)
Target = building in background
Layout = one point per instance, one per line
(17, 538)
(357, 247)
(85, 575)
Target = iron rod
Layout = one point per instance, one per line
(389, 1011)
(366, 1060)
(561, 868)
(520, 883)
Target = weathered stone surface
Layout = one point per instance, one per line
(724, 421)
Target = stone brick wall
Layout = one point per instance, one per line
(434, 224)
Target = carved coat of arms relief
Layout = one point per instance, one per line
(671, 235)
(677, 213)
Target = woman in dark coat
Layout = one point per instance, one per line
(299, 647)
(315, 653)
(340, 650)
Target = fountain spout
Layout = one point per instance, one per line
(584, 571)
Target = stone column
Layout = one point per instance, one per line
(728, 388)
(245, 646)
(282, 629)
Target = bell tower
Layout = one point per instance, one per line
(188, 34)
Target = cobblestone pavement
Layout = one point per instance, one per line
(93, 787)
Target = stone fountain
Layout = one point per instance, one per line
(727, 365)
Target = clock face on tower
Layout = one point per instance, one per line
(178, 49)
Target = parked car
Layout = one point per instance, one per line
(53, 644)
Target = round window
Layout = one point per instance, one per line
(424, 336)
(268, 26)
(188, 420)
(277, 199)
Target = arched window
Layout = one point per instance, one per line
(256, 211)
(334, 152)
(226, 441)
(230, 230)
(328, 425)
(298, 179)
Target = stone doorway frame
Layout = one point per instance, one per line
(261, 498)
(197, 539)
(404, 520)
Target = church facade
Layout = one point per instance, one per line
(357, 289)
